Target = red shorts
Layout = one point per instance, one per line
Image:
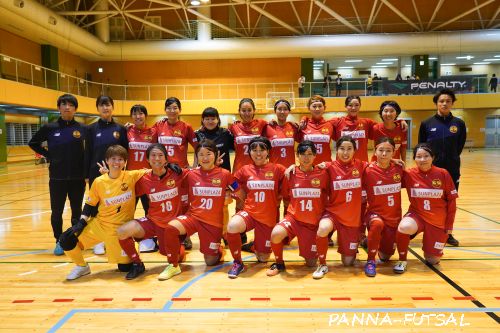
(434, 238)
(262, 233)
(151, 229)
(305, 233)
(388, 240)
(347, 237)
(209, 235)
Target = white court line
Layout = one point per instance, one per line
(93, 257)
(18, 216)
(14, 173)
(27, 273)
(61, 265)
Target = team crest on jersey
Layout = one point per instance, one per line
(397, 139)
(289, 134)
(171, 183)
(255, 130)
(77, 134)
(396, 177)
(360, 126)
(453, 129)
(269, 175)
(148, 137)
(315, 182)
(116, 135)
(436, 183)
(124, 187)
(177, 132)
(216, 181)
(325, 131)
(355, 172)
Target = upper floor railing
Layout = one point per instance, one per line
(25, 72)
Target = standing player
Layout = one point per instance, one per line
(260, 186)
(432, 208)
(307, 189)
(389, 112)
(112, 196)
(65, 140)
(101, 135)
(343, 210)
(382, 184)
(207, 185)
(140, 138)
(162, 187)
(446, 135)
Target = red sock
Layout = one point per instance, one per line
(362, 226)
(278, 251)
(128, 246)
(172, 244)
(234, 242)
(374, 236)
(402, 242)
(322, 248)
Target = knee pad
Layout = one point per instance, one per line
(124, 267)
(68, 240)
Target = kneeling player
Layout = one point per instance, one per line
(307, 189)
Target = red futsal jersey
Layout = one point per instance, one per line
(283, 143)
(138, 142)
(344, 203)
(308, 194)
(164, 195)
(321, 133)
(383, 189)
(175, 138)
(261, 186)
(397, 134)
(207, 193)
(429, 193)
(360, 129)
(242, 134)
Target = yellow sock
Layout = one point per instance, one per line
(76, 256)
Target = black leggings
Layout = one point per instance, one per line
(59, 190)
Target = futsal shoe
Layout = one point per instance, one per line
(452, 240)
(169, 272)
(276, 268)
(136, 270)
(331, 243)
(99, 249)
(77, 272)
(400, 267)
(237, 268)
(188, 244)
(363, 242)
(320, 272)
(370, 268)
(148, 246)
(58, 250)
(248, 247)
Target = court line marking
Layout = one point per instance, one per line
(24, 215)
(483, 217)
(452, 283)
(22, 254)
(478, 229)
(473, 251)
(27, 273)
(60, 265)
(15, 173)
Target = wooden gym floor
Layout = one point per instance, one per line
(461, 294)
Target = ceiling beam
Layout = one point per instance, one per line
(336, 15)
(463, 14)
(357, 15)
(214, 22)
(152, 25)
(438, 6)
(374, 14)
(490, 23)
(239, 20)
(418, 15)
(480, 16)
(400, 14)
(298, 17)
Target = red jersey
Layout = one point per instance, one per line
(138, 142)
(429, 193)
(308, 194)
(345, 195)
(283, 143)
(164, 195)
(360, 129)
(383, 189)
(242, 134)
(397, 134)
(175, 138)
(207, 193)
(261, 186)
(321, 133)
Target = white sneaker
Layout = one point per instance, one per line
(147, 245)
(400, 267)
(77, 272)
(99, 249)
(320, 271)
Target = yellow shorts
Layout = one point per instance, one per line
(95, 233)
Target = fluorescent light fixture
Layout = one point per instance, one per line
(319, 61)
(345, 67)
(379, 66)
(498, 59)
(384, 63)
(482, 63)
(407, 65)
(392, 59)
(100, 70)
(469, 57)
(195, 3)
(433, 58)
(497, 56)
(354, 60)
(448, 64)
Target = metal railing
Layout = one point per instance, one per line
(25, 72)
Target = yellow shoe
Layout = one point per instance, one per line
(169, 272)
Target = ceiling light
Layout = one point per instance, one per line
(448, 64)
(345, 67)
(205, 1)
(491, 59)
(482, 63)
(379, 66)
(433, 58)
(497, 56)
(407, 65)
(469, 57)
(354, 60)
(195, 3)
(100, 70)
(384, 63)
(393, 59)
